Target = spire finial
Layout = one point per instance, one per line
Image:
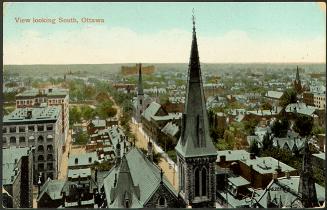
(193, 19)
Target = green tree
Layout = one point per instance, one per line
(280, 127)
(267, 142)
(288, 97)
(250, 125)
(303, 125)
(87, 112)
(254, 148)
(74, 116)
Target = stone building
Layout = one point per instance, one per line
(40, 128)
(52, 97)
(17, 177)
(196, 154)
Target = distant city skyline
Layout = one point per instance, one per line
(228, 32)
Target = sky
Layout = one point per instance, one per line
(227, 32)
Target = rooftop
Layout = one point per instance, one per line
(47, 92)
(37, 114)
(238, 181)
(274, 94)
(82, 159)
(267, 165)
(233, 155)
(11, 156)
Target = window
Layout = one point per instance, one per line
(21, 129)
(76, 160)
(4, 129)
(31, 139)
(31, 128)
(40, 158)
(49, 157)
(40, 167)
(161, 202)
(40, 139)
(12, 129)
(40, 128)
(40, 148)
(13, 140)
(4, 140)
(49, 148)
(49, 127)
(22, 139)
(204, 181)
(197, 182)
(50, 166)
(90, 160)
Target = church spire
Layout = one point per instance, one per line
(307, 189)
(297, 73)
(195, 137)
(140, 85)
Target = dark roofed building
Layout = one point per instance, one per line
(136, 182)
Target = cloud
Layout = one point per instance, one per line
(99, 44)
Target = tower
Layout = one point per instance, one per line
(140, 96)
(307, 188)
(297, 82)
(196, 154)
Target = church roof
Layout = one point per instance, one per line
(151, 110)
(195, 138)
(286, 189)
(143, 173)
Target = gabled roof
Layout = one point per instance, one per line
(170, 128)
(286, 189)
(274, 94)
(143, 173)
(151, 110)
(52, 188)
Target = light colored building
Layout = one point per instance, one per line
(50, 96)
(319, 101)
(40, 128)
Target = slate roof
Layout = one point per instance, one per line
(238, 181)
(98, 123)
(321, 155)
(233, 155)
(170, 128)
(83, 159)
(143, 173)
(301, 108)
(10, 155)
(39, 114)
(34, 92)
(274, 94)
(266, 165)
(75, 173)
(53, 188)
(195, 137)
(275, 189)
(151, 110)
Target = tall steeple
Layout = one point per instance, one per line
(297, 73)
(140, 85)
(307, 189)
(196, 154)
(195, 138)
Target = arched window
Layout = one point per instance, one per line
(40, 148)
(13, 140)
(40, 158)
(162, 201)
(204, 182)
(197, 182)
(40, 139)
(49, 148)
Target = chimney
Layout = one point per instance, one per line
(150, 151)
(275, 175)
(29, 114)
(287, 174)
(252, 156)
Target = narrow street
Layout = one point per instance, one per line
(168, 170)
